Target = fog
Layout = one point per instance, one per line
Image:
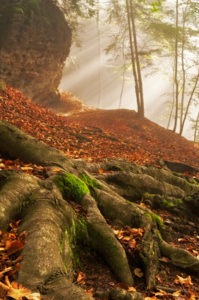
(94, 77)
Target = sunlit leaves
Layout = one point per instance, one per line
(183, 281)
(92, 135)
(17, 291)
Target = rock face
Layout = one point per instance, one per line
(35, 40)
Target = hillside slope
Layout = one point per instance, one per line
(98, 134)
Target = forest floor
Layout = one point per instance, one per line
(98, 135)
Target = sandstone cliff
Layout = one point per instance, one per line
(35, 40)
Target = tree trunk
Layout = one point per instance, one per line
(135, 58)
(55, 229)
(189, 103)
(176, 83)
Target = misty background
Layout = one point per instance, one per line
(95, 78)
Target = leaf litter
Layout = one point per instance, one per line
(98, 135)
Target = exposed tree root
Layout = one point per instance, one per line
(54, 228)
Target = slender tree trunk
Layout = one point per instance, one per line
(189, 103)
(99, 55)
(176, 69)
(135, 58)
(196, 128)
(183, 74)
(141, 97)
(171, 111)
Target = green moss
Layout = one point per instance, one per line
(74, 237)
(90, 182)
(172, 203)
(18, 10)
(71, 186)
(157, 219)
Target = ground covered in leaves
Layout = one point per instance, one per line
(96, 136)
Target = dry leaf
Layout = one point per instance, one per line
(176, 294)
(161, 293)
(100, 171)
(184, 281)
(138, 272)
(137, 231)
(131, 289)
(132, 243)
(80, 276)
(26, 168)
(17, 291)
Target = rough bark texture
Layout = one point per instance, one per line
(34, 43)
(54, 228)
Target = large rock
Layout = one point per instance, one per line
(35, 40)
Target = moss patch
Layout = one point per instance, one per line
(157, 219)
(90, 182)
(71, 186)
(74, 238)
(172, 203)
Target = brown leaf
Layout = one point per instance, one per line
(184, 281)
(132, 243)
(138, 272)
(81, 276)
(13, 246)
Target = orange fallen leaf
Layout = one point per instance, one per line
(100, 171)
(13, 246)
(26, 168)
(137, 231)
(81, 276)
(131, 289)
(184, 281)
(17, 291)
(132, 243)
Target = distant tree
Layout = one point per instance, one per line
(135, 61)
(126, 42)
(196, 129)
(185, 84)
(167, 30)
(183, 49)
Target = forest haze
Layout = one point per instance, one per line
(104, 55)
(98, 204)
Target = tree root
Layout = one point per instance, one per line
(180, 257)
(46, 265)
(51, 222)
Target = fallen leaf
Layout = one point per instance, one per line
(137, 231)
(131, 289)
(138, 272)
(184, 281)
(100, 171)
(26, 168)
(132, 243)
(176, 294)
(17, 291)
(13, 246)
(81, 276)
